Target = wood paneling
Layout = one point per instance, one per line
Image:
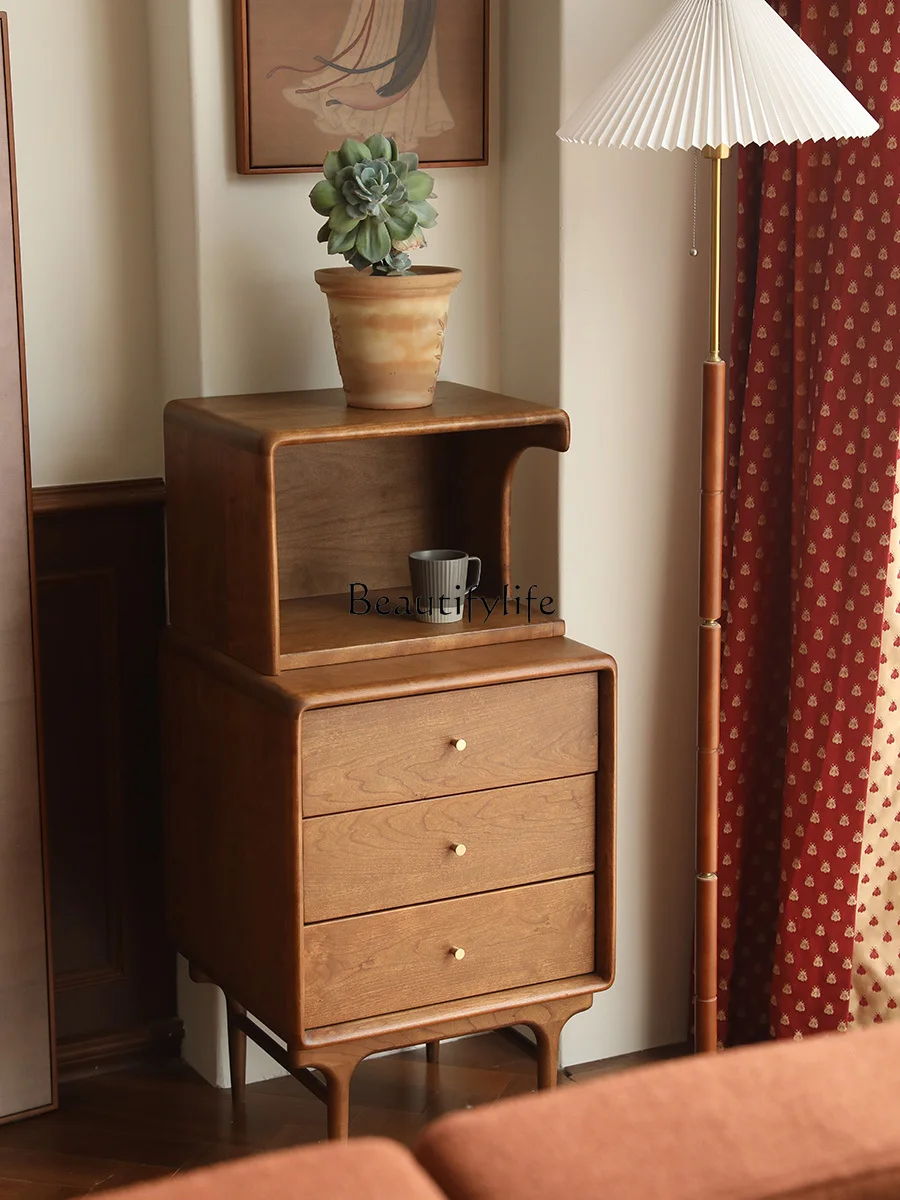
(101, 606)
(388, 752)
(27, 1075)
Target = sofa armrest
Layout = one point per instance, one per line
(819, 1118)
(368, 1169)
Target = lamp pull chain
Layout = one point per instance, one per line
(694, 250)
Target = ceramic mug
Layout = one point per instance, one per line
(441, 581)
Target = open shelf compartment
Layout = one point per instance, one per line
(296, 497)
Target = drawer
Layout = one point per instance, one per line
(369, 965)
(382, 858)
(392, 751)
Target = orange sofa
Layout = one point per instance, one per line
(819, 1119)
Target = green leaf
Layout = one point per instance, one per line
(410, 161)
(324, 197)
(325, 232)
(373, 240)
(340, 243)
(395, 151)
(427, 215)
(379, 146)
(401, 228)
(341, 221)
(332, 165)
(420, 185)
(353, 152)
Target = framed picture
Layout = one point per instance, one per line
(313, 72)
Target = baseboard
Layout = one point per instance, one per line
(623, 1062)
(78, 1056)
(80, 496)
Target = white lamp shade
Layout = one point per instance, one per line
(719, 73)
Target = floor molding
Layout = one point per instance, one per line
(158, 1039)
(80, 496)
(622, 1062)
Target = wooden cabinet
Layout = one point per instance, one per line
(379, 832)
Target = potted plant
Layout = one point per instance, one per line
(388, 317)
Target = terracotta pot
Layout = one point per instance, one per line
(389, 333)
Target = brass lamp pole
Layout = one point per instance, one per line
(712, 527)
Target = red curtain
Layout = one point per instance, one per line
(813, 433)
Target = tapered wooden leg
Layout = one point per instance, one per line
(237, 1052)
(548, 1054)
(338, 1079)
(433, 1052)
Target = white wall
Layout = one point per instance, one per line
(633, 338)
(530, 271)
(80, 93)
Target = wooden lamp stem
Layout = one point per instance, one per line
(712, 521)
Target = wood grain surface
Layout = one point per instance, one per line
(261, 422)
(364, 965)
(320, 630)
(407, 854)
(369, 755)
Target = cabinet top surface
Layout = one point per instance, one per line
(264, 422)
(386, 678)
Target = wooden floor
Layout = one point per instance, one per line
(158, 1119)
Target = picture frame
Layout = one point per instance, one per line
(416, 70)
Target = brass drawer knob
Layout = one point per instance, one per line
(457, 953)
(459, 849)
(460, 744)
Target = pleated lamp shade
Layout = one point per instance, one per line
(719, 73)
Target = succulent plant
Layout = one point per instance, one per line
(377, 204)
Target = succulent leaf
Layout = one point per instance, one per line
(402, 227)
(340, 243)
(415, 241)
(426, 215)
(341, 221)
(373, 240)
(324, 197)
(332, 164)
(325, 232)
(353, 152)
(379, 146)
(395, 150)
(410, 161)
(419, 185)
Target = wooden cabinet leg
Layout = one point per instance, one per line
(548, 1054)
(338, 1080)
(433, 1052)
(237, 1052)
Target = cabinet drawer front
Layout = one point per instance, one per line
(384, 858)
(391, 751)
(369, 965)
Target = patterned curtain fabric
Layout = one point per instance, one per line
(809, 820)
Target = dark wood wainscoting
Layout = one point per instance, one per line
(100, 554)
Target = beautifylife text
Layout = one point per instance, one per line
(512, 603)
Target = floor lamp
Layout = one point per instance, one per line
(714, 74)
